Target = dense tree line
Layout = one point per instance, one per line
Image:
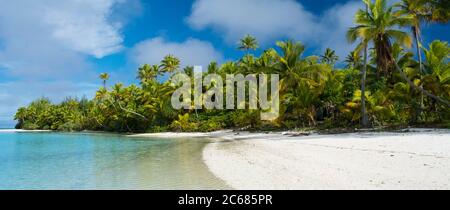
(386, 82)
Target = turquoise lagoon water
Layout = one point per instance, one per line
(102, 161)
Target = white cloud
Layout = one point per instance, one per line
(191, 52)
(46, 47)
(265, 19)
(51, 38)
(334, 23)
(268, 20)
(82, 25)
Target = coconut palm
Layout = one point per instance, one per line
(329, 57)
(379, 25)
(362, 46)
(170, 64)
(104, 77)
(148, 73)
(438, 11)
(417, 10)
(213, 68)
(353, 60)
(248, 43)
(189, 70)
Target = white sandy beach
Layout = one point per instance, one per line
(418, 160)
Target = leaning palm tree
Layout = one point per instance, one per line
(329, 57)
(417, 9)
(170, 64)
(104, 77)
(248, 43)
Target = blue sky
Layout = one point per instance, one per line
(57, 48)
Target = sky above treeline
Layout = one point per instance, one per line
(57, 48)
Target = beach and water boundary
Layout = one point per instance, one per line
(407, 159)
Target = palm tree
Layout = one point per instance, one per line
(189, 70)
(329, 57)
(213, 68)
(362, 46)
(287, 62)
(438, 11)
(302, 79)
(353, 60)
(170, 64)
(148, 73)
(104, 77)
(420, 11)
(248, 43)
(417, 10)
(379, 24)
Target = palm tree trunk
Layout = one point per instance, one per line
(364, 120)
(419, 55)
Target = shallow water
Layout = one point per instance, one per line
(102, 161)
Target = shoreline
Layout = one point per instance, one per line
(412, 158)
(403, 159)
(22, 131)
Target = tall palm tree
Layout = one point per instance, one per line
(329, 57)
(170, 64)
(248, 43)
(351, 36)
(379, 24)
(416, 9)
(104, 77)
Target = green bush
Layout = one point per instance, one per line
(30, 126)
(211, 125)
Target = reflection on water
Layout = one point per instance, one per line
(100, 161)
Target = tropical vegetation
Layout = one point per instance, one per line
(392, 78)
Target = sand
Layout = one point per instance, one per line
(417, 160)
(21, 131)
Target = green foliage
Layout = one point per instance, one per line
(183, 124)
(313, 92)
